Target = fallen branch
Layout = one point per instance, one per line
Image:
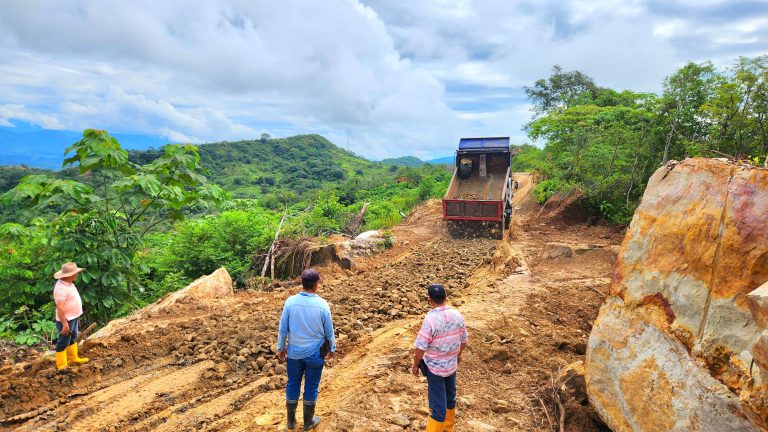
(357, 221)
(597, 291)
(271, 248)
(84, 334)
(546, 412)
(562, 412)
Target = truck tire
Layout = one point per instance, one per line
(465, 169)
(500, 232)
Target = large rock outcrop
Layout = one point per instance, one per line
(681, 343)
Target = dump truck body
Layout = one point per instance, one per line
(481, 187)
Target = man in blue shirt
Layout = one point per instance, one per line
(305, 327)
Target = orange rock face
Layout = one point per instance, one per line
(681, 309)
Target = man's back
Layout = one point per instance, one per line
(307, 323)
(441, 335)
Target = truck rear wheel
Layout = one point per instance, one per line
(500, 232)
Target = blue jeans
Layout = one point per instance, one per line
(62, 342)
(441, 392)
(309, 368)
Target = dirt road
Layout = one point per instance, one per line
(529, 302)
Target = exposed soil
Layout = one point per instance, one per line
(529, 301)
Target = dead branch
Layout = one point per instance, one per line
(562, 411)
(598, 291)
(271, 248)
(357, 221)
(546, 412)
(84, 334)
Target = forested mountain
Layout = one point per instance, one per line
(253, 168)
(295, 165)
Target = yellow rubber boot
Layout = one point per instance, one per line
(72, 356)
(61, 360)
(450, 420)
(434, 425)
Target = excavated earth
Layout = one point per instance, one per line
(529, 301)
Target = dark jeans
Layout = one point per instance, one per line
(62, 342)
(311, 369)
(441, 392)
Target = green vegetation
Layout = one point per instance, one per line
(102, 227)
(146, 223)
(280, 169)
(608, 143)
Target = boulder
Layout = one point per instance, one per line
(572, 377)
(557, 251)
(365, 244)
(673, 347)
(368, 235)
(214, 286)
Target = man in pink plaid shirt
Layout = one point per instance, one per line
(442, 337)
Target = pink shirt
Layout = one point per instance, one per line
(67, 298)
(440, 337)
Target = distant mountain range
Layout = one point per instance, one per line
(32, 146)
(29, 145)
(413, 161)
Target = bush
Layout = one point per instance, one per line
(545, 189)
(382, 215)
(200, 246)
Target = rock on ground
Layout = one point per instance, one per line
(672, 348)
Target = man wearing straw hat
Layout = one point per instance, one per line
(69, 308)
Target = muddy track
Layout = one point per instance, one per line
(212, 367)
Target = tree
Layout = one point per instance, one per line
(738, 111)
(560, 91)
(102, 226)
(685, 93)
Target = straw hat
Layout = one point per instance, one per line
(68, 269)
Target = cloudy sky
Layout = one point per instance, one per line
(381, 77)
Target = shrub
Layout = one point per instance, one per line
(545, 189)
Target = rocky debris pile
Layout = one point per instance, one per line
(243, 345)
(370, 299)
(676, 347)
(469, 196)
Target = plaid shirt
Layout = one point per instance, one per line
(440, 337)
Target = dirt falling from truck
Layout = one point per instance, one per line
(529, 302)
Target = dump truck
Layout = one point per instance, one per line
(481, 188)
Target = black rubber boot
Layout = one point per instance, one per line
(290, 408)
(310, 419)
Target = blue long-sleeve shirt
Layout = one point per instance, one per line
(305, 323)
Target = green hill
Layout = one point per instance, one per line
(269, 166)
(297, 164)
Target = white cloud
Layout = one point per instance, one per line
(10, 112)
(388, 78)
